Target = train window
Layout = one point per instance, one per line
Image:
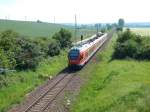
(73, 54)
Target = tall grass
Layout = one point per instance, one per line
(18, 84)
(115, 86)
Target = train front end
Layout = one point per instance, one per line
(74, 58)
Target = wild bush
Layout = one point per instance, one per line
(4, 61)
(126, 49)
(20, 53)
(9, 47)
(29, 55)
(132, 46)
(54, 48)
(43, 42)
(103, 30)
(17, 52)
(63, 37)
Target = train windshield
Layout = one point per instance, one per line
(73, 54)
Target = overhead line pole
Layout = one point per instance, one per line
(75, 28)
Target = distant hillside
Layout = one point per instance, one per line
(136, 25)
(32, 29)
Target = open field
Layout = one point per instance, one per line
(141, 31)
(18, 84)
(115, 85)
(34, 29)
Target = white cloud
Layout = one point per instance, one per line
(86, 10)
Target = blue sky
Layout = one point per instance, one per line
(87, 11)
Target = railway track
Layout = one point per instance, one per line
(46, 99)
(43, 97)
(46, 94)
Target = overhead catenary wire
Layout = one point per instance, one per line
(75, 28)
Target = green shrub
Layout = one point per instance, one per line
(132, 45)
(3, 81)
(8, 40)
(8, 44)
(145, 50)
(122, 37)
(54, 48)
(29, 56)
(43, 42)
(103, 30)
(4, 61)
(119, 29)
(63, 37)
(18, 52)
(126, 49)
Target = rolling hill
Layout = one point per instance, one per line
(32, 29)
(42, 29)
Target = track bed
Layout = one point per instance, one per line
(56, 94)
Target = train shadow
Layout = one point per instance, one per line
(74, 69)
(69, 70)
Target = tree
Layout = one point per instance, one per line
(108, 26)
(63, 37)
(29, 56)
(97, 26)
(120, 24)
(54, 49)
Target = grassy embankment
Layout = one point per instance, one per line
(115, 86)
(20, 83)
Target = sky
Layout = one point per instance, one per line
(87, 11)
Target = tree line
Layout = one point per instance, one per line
(20, 53)
(131, 45)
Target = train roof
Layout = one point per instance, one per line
(86, 43)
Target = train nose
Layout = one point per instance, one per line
(74, 61)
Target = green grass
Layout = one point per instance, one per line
(141, 31)
(34, 29)
(18, 84)
(115, 85)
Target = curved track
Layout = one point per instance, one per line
(47, 98)
(41, 99)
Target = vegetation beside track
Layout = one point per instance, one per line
(14, 85)
(18, 84)
(114, 85)
(131, 45)
(25, 63)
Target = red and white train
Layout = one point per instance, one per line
(80, 53)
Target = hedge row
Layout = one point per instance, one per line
(21, 53)
(130, 45)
